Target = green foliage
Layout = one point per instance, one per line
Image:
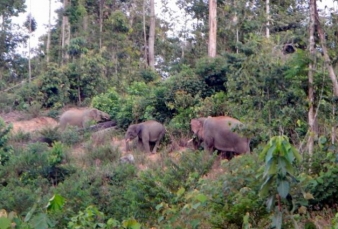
(54, 87)
(102, 154)
(279, 177)
(56, 154)
(213, 71)
(5, 149)
(160, 186)
(50, 135)
(324, 185)
(70, 136)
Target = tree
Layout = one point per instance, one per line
(30, 24)
(212, 28)
(65, 31)
(152, 35)
(312, 50)
(49, 30)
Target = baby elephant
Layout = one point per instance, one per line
(148, 131)
(81, 118)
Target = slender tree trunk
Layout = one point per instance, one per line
(312, 50)
(152, 35)
(101, 23)
(212, 28)
(65, 32)
(49, 31)
(268, 19)
(145, 54)
(29, 44)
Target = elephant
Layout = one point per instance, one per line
(217, 133)
(148, 131)
(82, 118)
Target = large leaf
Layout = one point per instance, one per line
(277, 220)
(131, 223)
(41, 221)
(55, 203)
(30, 213)
(5, 223)
(283, 188)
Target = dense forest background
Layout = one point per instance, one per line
(271, 64)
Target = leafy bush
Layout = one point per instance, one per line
(101, 154)
(70, 136)
(324, 185)
(156, 186)
(5, 149)
(50, 135)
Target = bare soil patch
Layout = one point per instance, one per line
(27, 126)
(35, 124)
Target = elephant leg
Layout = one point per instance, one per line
(209, 146)
(158, 142)
(146, 145)
(140, 144)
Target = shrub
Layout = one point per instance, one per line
(71, 136)
(5, 149)
(101, 154)
(50, 135)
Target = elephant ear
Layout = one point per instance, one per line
(196, 125)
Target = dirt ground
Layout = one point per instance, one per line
(32, 125)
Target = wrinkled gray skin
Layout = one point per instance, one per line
(148, 131)
(82, 118)
(216, 133)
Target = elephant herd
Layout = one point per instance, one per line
(215, 133)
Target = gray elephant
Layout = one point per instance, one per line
(82, 118)
(148, 131)
(217, 133)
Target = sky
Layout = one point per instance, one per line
(40, 11)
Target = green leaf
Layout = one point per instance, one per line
(195, 206)
(131, 223)
(265, 186)
(283, 188)
(201, 198)
(30, 213)
(270, 154)
(55, 203)
(5, 223)
(277, 220)
(180, 192)
(269, 202)
(113, 222)
(159, 206)
(40, 221)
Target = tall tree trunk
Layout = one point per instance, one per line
(267, 19)
(145, 54)
(212, 28)
(101, 23)
(29, 44)
(152, 35)
(49, 31)
(312, 50)
(65, 32)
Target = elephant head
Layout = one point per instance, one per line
(97, 115)
(197, 128)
